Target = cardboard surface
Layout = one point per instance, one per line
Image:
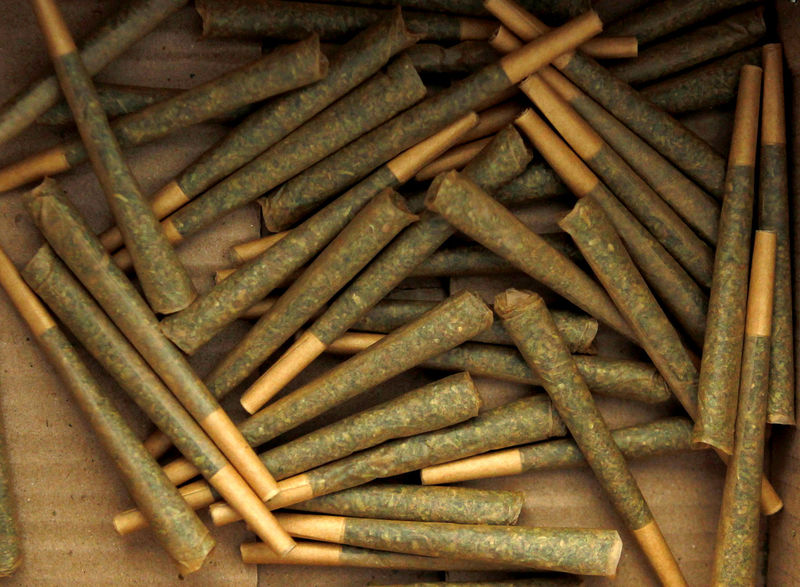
(66, 488)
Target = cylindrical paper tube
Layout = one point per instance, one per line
(473, 212)
(686, 150)
(210, 313)
(527, 420)
(622, 379)
(773, 215)
(529, 323)
(652, 211)
(369, 105)
(703, 87)
(464, 57)
(176, 526)
(582, 551)
(284, 69)
(453, 321)
(722, 350)
(660, 437)
(549, 581)
(351, 65)
(677, 290)
(505, 157)
(702, 44)
(10, 555)
(72, 239)
(698, 209)
(108, 41)
(736, 556)
(457, 505)
(372, 228)
(337, 172)
(538, 181)
(492, 120)
(613, 10)
(455, 158)
(664, 17)
(286, 20)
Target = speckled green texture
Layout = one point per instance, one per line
(116, 100)
(552, 10)
(352, 64)
(551, 581)
(569, 550)
(529, 323)
(699, 45)
(439, 404)
(352, 556)
(73, 305)
(105, 43)
(504, 158)
(527, 420)
(363, 238)
(722, 351)
(773, 195)
(292, 20)
(76, 244)
(703, 87)
(605, 253)
(666, 135)
(665, 436)
(163, 278)
(9, 528)
(448, 324)
(473, 212)
(369, 105)
(176, 526)
(670, 282)
(662, 18)
(464, 57)
(695, 207)
(737, 553)
(655, 214)
(457, 505)
(343, 168)
(537, 181)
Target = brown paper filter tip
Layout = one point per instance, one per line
(24, 300)
(122, 259)
(492, 120)
(50, 162)
(773, 117)
(504, 41)
(612, 47)
(223, 274)
(157, 444)
(475, 29)
(307, 553)
(520, 22)
(558, 82)
(301, 354)
(56, 34)
(351, 343)
(252, 249)
(495, 464)
(173, 236)
(328, 528)
(771, 502)
(745, 124)
(455, 158)
(655, 548)
(180, 470)
(762, 285)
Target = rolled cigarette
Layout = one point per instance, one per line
(337, 555)
(582, 551)
(163, 278)
(656, 438)
(621, 379)
(371, 229)
(703, 87)
(613, 10)
(736, 554)
(492, 120)
(445, 326)
(702, 44)
(678, 291)
(224, 303)
(529, 323)
(10, 556)
(538, 181)
(455, 158)
(457, 505)
(505, 157)
(286, 20)
(667, 16)
(722, 350)
(339, 171)
(101, 47)
(474, 213)
(356, 61)
(695, 207)
(72, 239)
(774, 215)
(465, 57)
(369, 105)
(649, 208)
(686, 150)
(175, 525)
(527, 420)
(284, 69)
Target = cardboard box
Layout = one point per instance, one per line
(66, 489)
